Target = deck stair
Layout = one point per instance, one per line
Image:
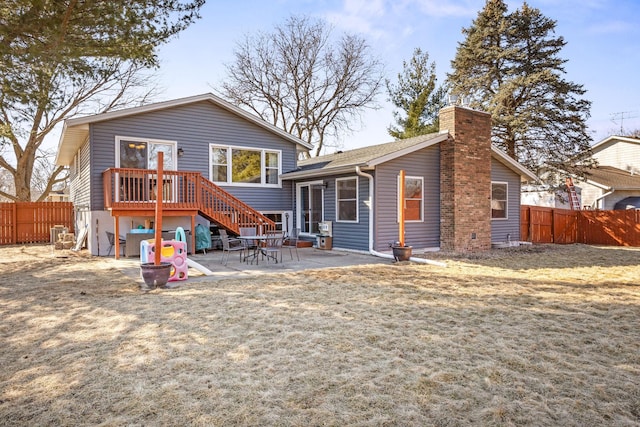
(228, 211)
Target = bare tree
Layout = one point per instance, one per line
(299, 79)
(27, 125)
(634, 133)
(60, 59)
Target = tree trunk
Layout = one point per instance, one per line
(23, 175)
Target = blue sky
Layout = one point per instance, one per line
(603, 47)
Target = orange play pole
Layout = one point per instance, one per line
(158, 222)
(401, 210)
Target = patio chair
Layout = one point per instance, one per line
(112, 242)
(230, 245)
(291, 241)
(272, 247)
(249, 245)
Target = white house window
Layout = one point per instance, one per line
(74, 167)
(142, 153)
(499, 200)
(244, 166)
(413, 198)
(347, 199)
(219, 164)
(139, 153)
(275, 217)
(271, 166)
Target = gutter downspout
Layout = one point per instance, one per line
(371, 250)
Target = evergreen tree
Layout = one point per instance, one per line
(63, 58)
(509, 66)
(417, 96)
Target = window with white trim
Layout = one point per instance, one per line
(413, 198)
(142, 153)
(275, 217)
(244, 166)
(271, 167)
(347, 199)
(499, 200)
(219, 164)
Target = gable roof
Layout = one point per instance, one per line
(613, 178)
(371, 156)
(76, 131)
(610, 140)
(366, 157)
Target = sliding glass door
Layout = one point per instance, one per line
(310, 206)
(136, 153)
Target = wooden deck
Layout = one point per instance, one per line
(133, 192)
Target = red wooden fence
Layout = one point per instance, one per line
(618, 228)
(550, 225)
(31, 222)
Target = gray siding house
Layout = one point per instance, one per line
(370, 176)
(243, 155)
(461, 193)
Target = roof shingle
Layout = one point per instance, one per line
(614, 178)
(362, 156)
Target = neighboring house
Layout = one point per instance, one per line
(58, 195)
(544, 196)
(230, 168)
(617, 176)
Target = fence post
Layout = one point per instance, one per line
(14, 221)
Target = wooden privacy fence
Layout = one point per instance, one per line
(619, 228)
(550, 225)
(31, 222)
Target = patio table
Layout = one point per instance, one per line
(257, 239)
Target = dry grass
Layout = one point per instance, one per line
(541, 336)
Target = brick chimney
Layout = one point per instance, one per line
(465, 180)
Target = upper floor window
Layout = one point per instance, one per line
(347, 199)
(244, 166)
(218, 164)
(142, 153)
(413, 198)
(499, 201)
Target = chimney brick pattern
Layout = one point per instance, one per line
(465, 180)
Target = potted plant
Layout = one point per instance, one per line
(155, 276)
(401, 252)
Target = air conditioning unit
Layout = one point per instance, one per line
(324, 228)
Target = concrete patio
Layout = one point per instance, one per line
(310, 258)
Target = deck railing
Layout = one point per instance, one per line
(137, 189)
